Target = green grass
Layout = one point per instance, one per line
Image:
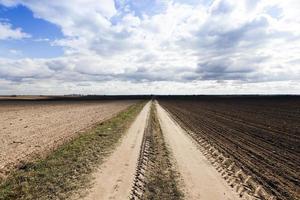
(163, 181)
(69, 167)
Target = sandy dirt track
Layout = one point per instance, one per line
(114, 178)
(260, 134)
(201, 181)
(28, 128)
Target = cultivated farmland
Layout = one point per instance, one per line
(30, 128)
(261, 135)
(172, 147)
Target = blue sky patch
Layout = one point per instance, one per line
(42, 34)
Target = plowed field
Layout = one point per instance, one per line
(29, 128)
(262, 134)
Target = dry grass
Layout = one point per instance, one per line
(162, 182)
(69, 167)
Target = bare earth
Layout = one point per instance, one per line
(201, 181)
(29, 128)
(115, 176)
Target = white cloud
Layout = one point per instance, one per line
(15, 52)
(241, 43)
(7, 32)
(23, 69)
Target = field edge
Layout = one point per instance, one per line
(52, 176)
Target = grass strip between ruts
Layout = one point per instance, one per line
(162, 179)
(68, 168)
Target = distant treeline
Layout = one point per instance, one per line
(224, 96)
(74, 98)
(148, 97)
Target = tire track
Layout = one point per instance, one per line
(271, 165)
(144, 164)
(155, 176)
(201, 180)
(113, 179)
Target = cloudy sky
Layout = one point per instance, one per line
(149, 46)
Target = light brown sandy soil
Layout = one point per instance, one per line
(25, 97)
(115, 176)
(201, 181)
(35, 127)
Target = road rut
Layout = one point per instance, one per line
(114, 178)
(201, 181)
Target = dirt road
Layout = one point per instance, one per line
(28, 128)
(114, 178)
(260, 134)
(201, 181)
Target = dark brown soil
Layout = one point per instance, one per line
(262, 134)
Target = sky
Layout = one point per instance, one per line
(149, 47)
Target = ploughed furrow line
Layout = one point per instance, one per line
(200, 179)
(244, 185)
(252, 153)
(243, 122)
(155, 177)
(264, 146)
(266, 155)
(247, 157)
(276, 117)
(259, 135)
